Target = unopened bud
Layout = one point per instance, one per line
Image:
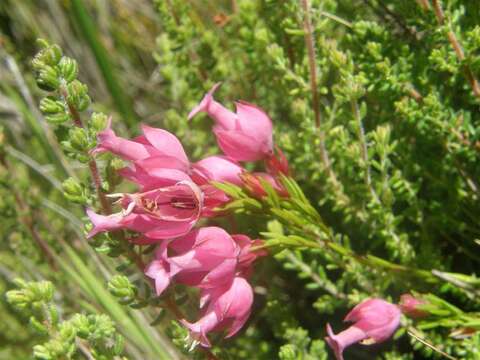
(79, 139)
(58, 118)
(411, 306)
(78, 95)
(47, 78)
(49, 105)
(68, 69)
(121, 287)
(99, 121)
(74, 191)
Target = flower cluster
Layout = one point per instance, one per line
(174, 193)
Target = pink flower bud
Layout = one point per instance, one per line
(277, 163)
(410, 306)
(375, 321)
(229, 307)
(245, 135)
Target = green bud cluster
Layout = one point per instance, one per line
(31, 295)
(121, 287)
(68, 98)
(75, 191)
(95, 334)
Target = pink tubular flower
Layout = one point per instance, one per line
(375, 320)
(154, 142)
(162, 213)
(245, 135)
(409, 305)
(229, 307)
(205, 258)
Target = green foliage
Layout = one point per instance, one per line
(383, 145)
(93, 335)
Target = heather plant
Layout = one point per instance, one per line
(238, 187)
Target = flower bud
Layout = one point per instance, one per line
(74, 191)
(68, 69)
(78, 95)
(47, 78)
(79, 139)
(49, 55)
(56, 119)
(411, 306)
(81, 323)
(98, 121)
(49, 105)
(120, 287)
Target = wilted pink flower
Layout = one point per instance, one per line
(410, 306)
(162, 213)
(245, 135)
(229, 307)
(375, 320)
(205, 258)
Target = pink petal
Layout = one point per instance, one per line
(169, 230)
(102, 223)
(154, 179)
(239, 146)
(223, 117)
(165, 142)
(156, 271)
(237, 324)
(220, 274)
(217, 168)
(339, 342)
(126, 149)
(253, 120)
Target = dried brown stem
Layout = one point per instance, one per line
(310, 44)
(457, 47)
(424, 4)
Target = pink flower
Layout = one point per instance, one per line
(154, 142)
(162, 213)
(229, 307)
(411, 306)
(245, 135)
(218, 169)
(205, 258)
(375, 321)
